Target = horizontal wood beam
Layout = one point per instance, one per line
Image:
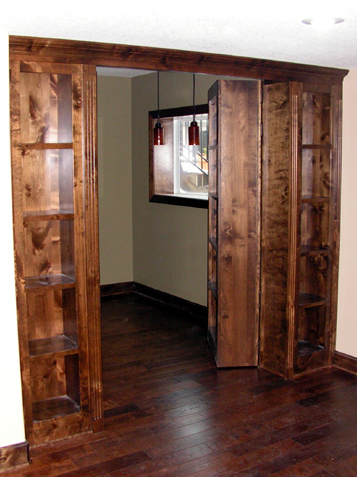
(126, 56)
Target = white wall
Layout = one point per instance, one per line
(11, 416)
(115, 181)
(347, 297)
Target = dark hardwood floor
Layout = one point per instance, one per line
(170, 412)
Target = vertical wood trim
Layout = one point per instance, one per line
(276, 145)
(336, 139)
(13, 455)
(19, 254)
(80, 236)
(294, 224)
(92, 245)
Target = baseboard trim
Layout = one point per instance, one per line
(13, 455)
(345, 361)
(110, 291)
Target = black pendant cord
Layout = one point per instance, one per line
(158, 97)
(194, 94)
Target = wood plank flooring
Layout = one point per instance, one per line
(170, 412)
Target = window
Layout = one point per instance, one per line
(179, 172)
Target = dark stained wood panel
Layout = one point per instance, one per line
(234, 265)
(50, 236)
(92, 283)
(126, 56)
(170, 410)
(275, 217)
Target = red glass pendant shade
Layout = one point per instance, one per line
(193, 130)
(193, 134)
(158, 134)
(158, 129)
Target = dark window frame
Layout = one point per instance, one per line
(169, 197)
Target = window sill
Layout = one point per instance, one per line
(199, 203)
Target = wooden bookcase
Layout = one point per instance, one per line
(273, 226)
(300, 225)
(50, 246)
(233, 221)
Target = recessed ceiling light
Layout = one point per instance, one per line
(322, 21)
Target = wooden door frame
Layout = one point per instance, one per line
(93, 54)
(128, 56)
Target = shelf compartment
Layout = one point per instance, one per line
(315, 224)
(213, 243)
(305, 348)
(309, 250)
(316, 109)
(54, 385)
(314, 199)
(46, 107)
(316, 173)
(48, 181)
(314, 276)
(49, 249)
(311, 338)
(213, 172)
(59, 281)
(212, 287)
(42, 146)
(40, 215)
(55, 407)
(326, 147)
(53, 324)
(53, 345)
(213, 114)
(307, 300)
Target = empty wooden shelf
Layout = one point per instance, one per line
(48, 163)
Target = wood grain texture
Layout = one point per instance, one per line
(14, 455)
(48, 195)
(275, 227)
(169, 411)
(92, 246)
(302, 338)
(238, 228)
(345, 361)
(336, 135)
(126, 56)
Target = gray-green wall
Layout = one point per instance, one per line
(115, 180)
(158, 245)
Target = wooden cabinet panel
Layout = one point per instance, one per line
(300, 216)
(234, 215)
(50, 171)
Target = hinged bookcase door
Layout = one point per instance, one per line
(49, 185)
(234, 221)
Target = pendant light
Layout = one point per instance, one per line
(158, 129)
(193, 130)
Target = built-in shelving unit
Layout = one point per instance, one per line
(300, 225)
(312, 320)
(49, 225)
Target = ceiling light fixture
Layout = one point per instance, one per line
(193, 130)
(321, 21)
(158, 129)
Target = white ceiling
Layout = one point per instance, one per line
(268, 29)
